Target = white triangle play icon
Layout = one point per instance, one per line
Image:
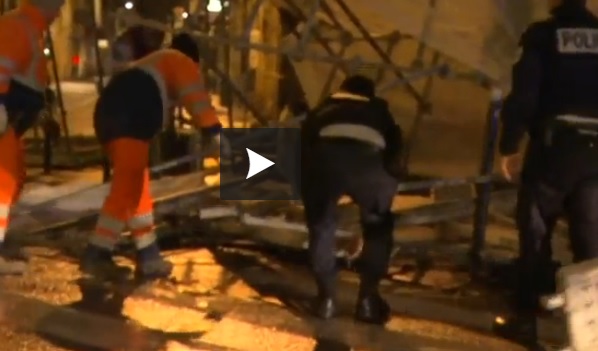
(257, 163)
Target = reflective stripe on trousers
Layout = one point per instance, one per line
(4, 212)
(107, 232)
(142, 228)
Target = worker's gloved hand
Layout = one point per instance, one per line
(213, 138)
(3, 120)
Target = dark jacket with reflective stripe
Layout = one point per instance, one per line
(349, 109)
(556, 74)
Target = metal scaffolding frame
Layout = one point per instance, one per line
(310, 30)
(404, 78)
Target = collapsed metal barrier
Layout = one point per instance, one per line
(187, 198)
(52, 215)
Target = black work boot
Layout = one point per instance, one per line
(371, 307)
(97, 262)
(324, 305)
(151, 265)
(519, 327)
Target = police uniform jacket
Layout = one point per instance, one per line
(555, 78)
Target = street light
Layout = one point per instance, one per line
(129, 5)
(214, 6)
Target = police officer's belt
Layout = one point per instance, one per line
(586, 127)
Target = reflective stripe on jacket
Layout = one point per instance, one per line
(181, 83)
(22, 56)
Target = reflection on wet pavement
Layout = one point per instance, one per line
(225, 299)
(19, 341)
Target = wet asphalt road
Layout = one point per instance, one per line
(212, 304)
(17, 341)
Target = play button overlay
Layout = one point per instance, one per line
(257, 163)
(263, 164)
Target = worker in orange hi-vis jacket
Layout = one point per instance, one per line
(133, 109)
(23, 80)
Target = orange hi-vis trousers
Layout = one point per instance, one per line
(129, 204)
(12, 175)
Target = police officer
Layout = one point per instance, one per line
(347, 143)
(553, 99)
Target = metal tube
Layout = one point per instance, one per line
(484, 190)
(444, 182)
(251, 18)
(308, 28)
(59, 97)
(422, 111)
(329, 50)
(265, 48)
(97, 13)
(353, 18)
(97, 16)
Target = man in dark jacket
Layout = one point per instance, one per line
(348, 144)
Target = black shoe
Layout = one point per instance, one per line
(520, 328)
(98, 263)
(372, 309)
(324, 307)
(155, 269)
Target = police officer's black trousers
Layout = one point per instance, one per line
(356, 171)
(538, 209)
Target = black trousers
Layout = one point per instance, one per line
(353, 169)
(130, 106)
(539, 207)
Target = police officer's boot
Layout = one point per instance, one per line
(520, 323)
(371, 307)
(9, 264)
(151, 265)
(520, 327)
(325, 303)
(98, 262)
